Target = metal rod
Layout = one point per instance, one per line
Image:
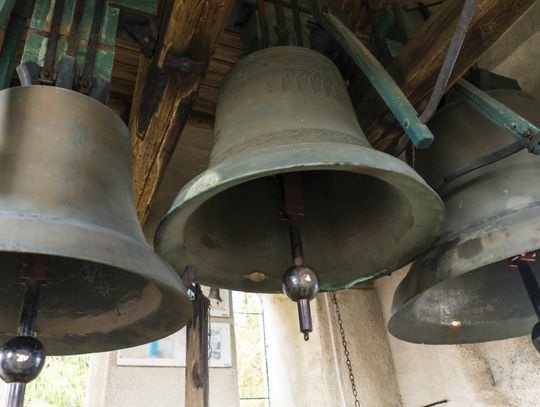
(27, 320)
(514, 124)
(27, 327)
(92, 47)
(297, 250)
(34, 273)
(297, 24)
(263, 23)
(73, 37)
(16, 394)
(47, 74)
(531, 284)
(281, 29)
(294, 208)
(450, 59)
(304, 316)
(481, 162)
(298, 288)
(381, 80)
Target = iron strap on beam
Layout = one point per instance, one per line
(517, 126)
(383, 83)
(447, 67)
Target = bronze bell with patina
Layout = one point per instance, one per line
(68, 229)
(468, 288)
(288, 146)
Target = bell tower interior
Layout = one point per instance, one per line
(256, 203)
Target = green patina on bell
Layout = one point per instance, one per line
(66, 204)
(464, 290)
(284, 110)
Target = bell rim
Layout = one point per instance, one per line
(328, 156)
(530, 217)
(136, 259)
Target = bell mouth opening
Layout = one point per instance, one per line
(84, 306)
(352, 223)
(485, 304)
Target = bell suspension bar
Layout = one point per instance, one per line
(381, 80)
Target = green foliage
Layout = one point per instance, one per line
(62, 383)
(248, 329)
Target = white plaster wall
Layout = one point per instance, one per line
(502, 373)
(141, 386)
(314, 373)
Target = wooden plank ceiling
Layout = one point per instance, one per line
(228, 52)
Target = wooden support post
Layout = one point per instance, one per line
(167, 87)
(197, 383)
(417, 66)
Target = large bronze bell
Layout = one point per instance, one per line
(465, 290)
(66, 209)
(285, 110)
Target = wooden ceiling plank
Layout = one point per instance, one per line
(188, 29)
(417, 66)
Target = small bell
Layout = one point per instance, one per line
(214, 294)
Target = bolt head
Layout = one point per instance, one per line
(21, 359)
(300, 283)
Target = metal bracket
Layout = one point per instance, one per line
(521, 129)
(381, 80)
(185, 65)
(140, 28)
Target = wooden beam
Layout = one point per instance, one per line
(167, 87)
(417, 66)
(197, 383)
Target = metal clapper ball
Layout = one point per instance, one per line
(300, 283)
(22, 357)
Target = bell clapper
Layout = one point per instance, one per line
(300, 283)
(522, 262)
(22, 357)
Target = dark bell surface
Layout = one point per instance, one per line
(535, 336)
(300, 283)
(21, 359)
(488, 303)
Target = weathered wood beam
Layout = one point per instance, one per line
(197, 378)
(167, 87)
(417, 66)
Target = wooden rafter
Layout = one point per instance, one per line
(417, 66)
(164, 95)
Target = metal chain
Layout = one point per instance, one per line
(346, 350)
